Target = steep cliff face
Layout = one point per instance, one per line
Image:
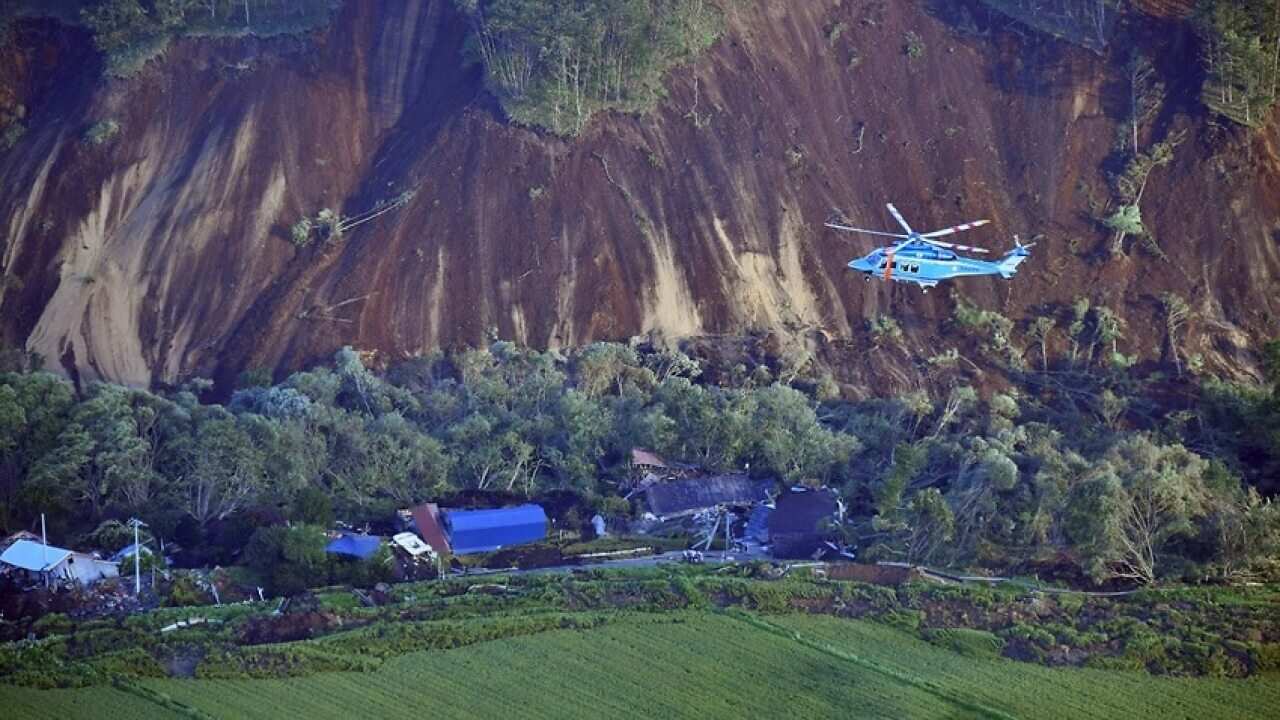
(164, 253)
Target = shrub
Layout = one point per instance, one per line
(1029, 633)
(1127, 219)
(966, 641)
(11, 135)
(101, 132)
(913, 45)
(903, 619)
(300, 232)
(885, 329)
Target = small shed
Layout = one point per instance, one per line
(478, 531)
(795, 526)
(49, 563)
(128, 551)
(687, 497)
(353, 545)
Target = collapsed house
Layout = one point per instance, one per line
(466, 532)
(35, 562)
(682, 498)
(799, 524)
(648, 467)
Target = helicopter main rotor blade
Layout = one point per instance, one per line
(955, 229)
(953, 246)
(898, 216)
(837, 226)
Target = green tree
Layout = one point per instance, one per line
(789, 440)
(1142, 497)
(225, 468)
(932, 525)
(402, 464)
(118, 467)
(117, 24)
(291, 559)
(1241, 51)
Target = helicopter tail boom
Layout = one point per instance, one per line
(1008, 265)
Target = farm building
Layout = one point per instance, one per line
(687, 497)
(37, 562)
(795, 525)
(478, 531)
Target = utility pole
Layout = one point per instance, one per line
(44, 552)
(137, 556)
(728, 523)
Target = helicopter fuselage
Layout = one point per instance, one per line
(926, 265)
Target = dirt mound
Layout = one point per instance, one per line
(164, 253)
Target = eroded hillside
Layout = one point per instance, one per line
(164, 252)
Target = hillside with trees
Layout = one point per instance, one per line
(1016, 480)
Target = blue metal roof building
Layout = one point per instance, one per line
(477, 531)
(360, 546)
(34, 556)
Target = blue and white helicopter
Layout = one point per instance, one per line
(921, 259)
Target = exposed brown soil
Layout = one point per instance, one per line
(164, 254)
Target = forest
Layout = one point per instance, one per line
(554, 65)
(131, 32)
(1084, 481)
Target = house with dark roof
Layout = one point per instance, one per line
(796, 524)
(687, 497)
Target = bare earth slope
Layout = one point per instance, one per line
(164, 253)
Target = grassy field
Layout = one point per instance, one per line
(685, 664)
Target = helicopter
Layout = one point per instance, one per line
(921, 259)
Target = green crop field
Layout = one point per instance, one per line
(685, 664)
(97, 702)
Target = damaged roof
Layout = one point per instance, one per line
(683, 497)
(640, 456)
(426, 517)
(800, 510)
(360, 546)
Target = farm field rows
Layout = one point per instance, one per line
(688, 665)
(1030, 690)
(96, 702)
